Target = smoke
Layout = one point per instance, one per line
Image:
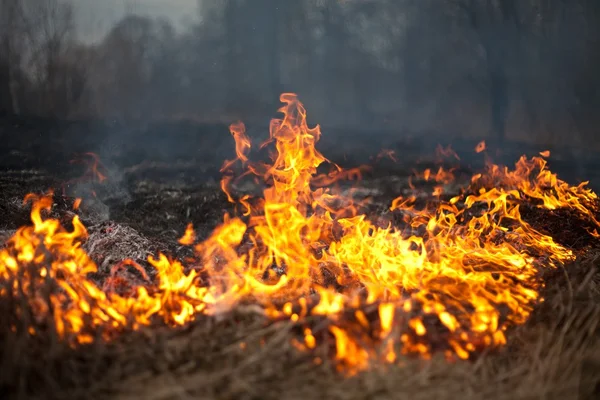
(505, 71)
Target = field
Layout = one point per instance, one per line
(159, 178)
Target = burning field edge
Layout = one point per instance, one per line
(549, 347)
(555, 355)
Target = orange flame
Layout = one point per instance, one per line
(95, 167)
(469, 265)
(95, 172)
(189, 237)
(480, 147)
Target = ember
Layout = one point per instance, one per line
(451, 276)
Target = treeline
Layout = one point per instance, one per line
(504, 68)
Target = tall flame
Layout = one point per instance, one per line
(453, 277)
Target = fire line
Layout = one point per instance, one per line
(450, 278)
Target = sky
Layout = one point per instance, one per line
(95, 17)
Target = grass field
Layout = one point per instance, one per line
(241, 354)
(555, 355)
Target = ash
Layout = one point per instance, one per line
(110, 243)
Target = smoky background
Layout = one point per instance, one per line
(519, 70)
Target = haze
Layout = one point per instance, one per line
(94, 18)
(502, 69)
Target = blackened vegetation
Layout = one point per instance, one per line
(568, 227)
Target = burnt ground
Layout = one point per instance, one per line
(162, 176)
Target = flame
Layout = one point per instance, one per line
(546, 189)
(463, 270)
(95, 172)
(480, 147)
(76, 204)
(189, 237)
(387, 153)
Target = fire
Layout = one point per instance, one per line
(189, 237)
(452, 278)
(480, 147)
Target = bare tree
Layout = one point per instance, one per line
(36, 37)
(12, 42)
(135, 72)
(232, 18)
(496, 24)
(52, 38)
(427, 64)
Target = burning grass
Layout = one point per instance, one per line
(555, 355)
(306, 265)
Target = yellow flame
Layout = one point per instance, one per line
(189, 237)
(304, 248)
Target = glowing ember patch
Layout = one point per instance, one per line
(418, 327)
(309, 339)
(386, 315)
(390, 353)
(463, 270)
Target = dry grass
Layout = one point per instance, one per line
(241, 355)
(556, 355)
